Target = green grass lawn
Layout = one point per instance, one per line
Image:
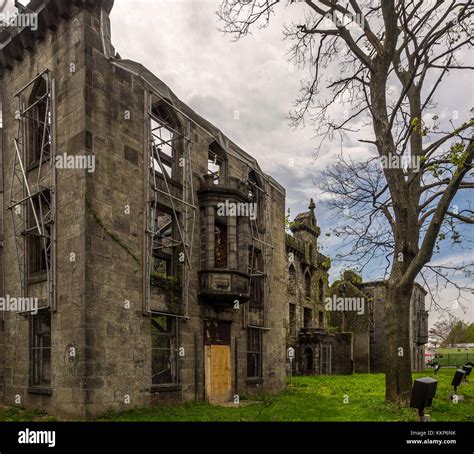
(318, 398)
(17, 414)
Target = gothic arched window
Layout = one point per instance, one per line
(217, 163)
(165, 135)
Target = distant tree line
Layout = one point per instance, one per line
(451, 331)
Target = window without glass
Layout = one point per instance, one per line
(214, 166)
(165, 135)
(216, 163)
(220, 243)
(307, 317)
(257, 278)
(321, 290)
(257, 197)
(38, 116)
(254, 353)
(164, 349)
(40, 349)
(321, 319)
(292, 280)
(39, 234)
(164, 247)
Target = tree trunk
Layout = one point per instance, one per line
(397, 351)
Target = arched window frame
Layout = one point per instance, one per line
(321, 290)
(165, 126)
(217, 163)
(38, 124)
(257, 196)
(292, 279)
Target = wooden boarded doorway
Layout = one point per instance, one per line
(217, 361)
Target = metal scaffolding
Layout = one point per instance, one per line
(32, 189)
(184, 112)
(263, 242)
(163, 145)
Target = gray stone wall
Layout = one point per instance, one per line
(100, 217)
(342, 352)
(56, 53)
(352, 321)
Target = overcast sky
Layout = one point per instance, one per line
(178, 40)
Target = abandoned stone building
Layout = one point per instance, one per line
(316, 350)
(153, 245)
(365, 320)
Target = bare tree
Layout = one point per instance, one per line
(391, 59)
(359, 198)
(441, 330)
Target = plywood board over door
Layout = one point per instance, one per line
(217, 361)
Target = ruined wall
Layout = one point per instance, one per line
(121, 370)
(117, 333)
(296, 293)
(100, 222)
(62, 52)
(342, 351)
(377, 353)
(352, 321)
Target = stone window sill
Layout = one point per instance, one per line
(37, 278)
(164, 388)
(254, 381)
(40, 390)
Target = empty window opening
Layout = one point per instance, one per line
(307, 318)
(220, 241)
(254, 353)
(165, 136)
(164, 347)
(257, 197)
(40, 349)
(292, 280)
(308, 359)
(39, 234)
(38, 121)
(257, 276)
(321, 319)
(164, 247)
(321, 290)
(216, 163)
